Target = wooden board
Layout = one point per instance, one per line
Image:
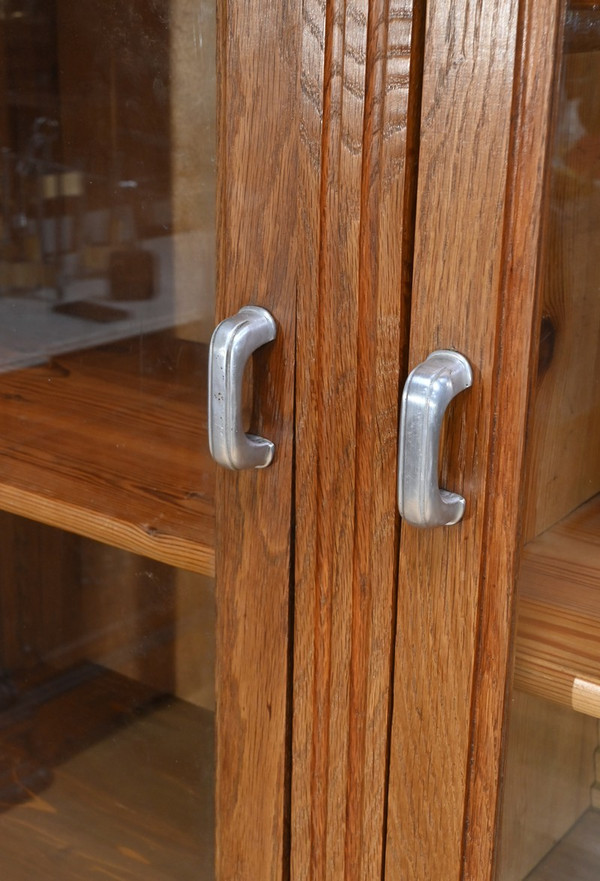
(95, 445)
(558, 619)
(260, 239)
(358, 126)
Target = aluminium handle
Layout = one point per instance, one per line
(232, 343)
(427, 393)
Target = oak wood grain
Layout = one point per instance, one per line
(351, 328)
(326, 447)
(259, 239)
(475, 251)
(388, 185)
(308, 780)
(92, 447)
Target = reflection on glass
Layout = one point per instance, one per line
(107, 256)
(551, 821)
(107, 150)
(106, 712)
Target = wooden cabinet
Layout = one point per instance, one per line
(384, 187)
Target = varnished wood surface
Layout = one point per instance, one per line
(351, 333)
(92, 446)
(558, 623)
(576, 857)
(259, 240)
(476, 242)
(105, 784)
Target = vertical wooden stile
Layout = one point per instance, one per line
(259, 241)
(351, 330)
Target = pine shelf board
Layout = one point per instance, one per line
(558, 616)
(576, 857)
(94, 445)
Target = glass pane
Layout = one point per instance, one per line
(551, 817)
(107, 266)
(108, 143)
(106, 711)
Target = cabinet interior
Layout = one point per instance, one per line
(107, 709)
(550, 821)
(111, 443)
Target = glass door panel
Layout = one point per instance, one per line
(107, 265)
(107, 269)
(551, 817)
(107, 711)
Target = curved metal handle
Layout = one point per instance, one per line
(427, 392)
(232, 343)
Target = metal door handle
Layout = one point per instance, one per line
(427, 392)
(232, 343)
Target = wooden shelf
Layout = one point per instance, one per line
(576, 857)
(558, 618)
(101, 777)
(111, 444)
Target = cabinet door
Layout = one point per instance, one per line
(118, 643)
(487, 83)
